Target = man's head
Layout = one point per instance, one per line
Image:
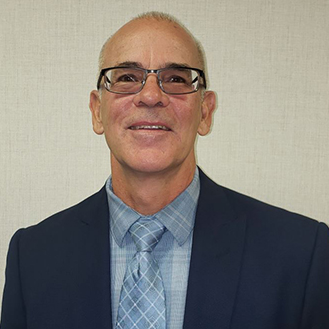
(151, 131)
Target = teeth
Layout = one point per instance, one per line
(149, 127)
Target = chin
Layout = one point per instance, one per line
(150, 162)
(150, 167)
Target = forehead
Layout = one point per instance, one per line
(152, 43)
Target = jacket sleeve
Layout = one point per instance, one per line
(316, 300)
(13, 310)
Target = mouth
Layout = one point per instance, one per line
(149, 127)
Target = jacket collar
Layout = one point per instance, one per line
(217, 249)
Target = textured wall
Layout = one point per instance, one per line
(268, 63)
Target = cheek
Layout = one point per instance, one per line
(190, 117)
(106, 118)
(114, 111)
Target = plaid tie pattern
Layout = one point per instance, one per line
(142, 299)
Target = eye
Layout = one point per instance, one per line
(179, 76)
(127, 78)
(175, 79)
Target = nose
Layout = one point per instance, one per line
(151, 95)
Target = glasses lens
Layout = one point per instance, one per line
(124, 80)
(179, 80)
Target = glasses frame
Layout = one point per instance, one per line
(157, 72)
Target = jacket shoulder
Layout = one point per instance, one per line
(87, 211)
(261, 216)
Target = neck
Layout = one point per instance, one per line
(147, 193)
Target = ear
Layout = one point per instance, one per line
(208, 107)
(94, 106)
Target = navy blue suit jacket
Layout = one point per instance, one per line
(253, 266)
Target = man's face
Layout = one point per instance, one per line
(126, 120)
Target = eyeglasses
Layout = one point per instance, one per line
(172, 80)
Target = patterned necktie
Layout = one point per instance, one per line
(142, 299)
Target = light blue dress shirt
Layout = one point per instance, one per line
(172, 253)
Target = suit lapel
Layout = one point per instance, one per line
(218, 242)
(94, 266)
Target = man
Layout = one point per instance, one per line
(217, 259)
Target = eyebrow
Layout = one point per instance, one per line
(174, 65)
(139, 65)
(130, 64)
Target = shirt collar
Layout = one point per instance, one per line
(178, 216)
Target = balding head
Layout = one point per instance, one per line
(157, 18)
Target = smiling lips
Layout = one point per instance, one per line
(149, 127)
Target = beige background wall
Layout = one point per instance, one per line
(268, 63)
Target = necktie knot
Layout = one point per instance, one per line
(146, 233)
